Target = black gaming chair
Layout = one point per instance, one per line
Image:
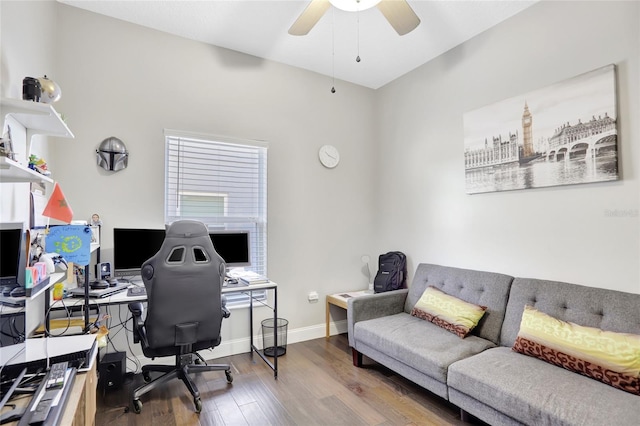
(185, 307)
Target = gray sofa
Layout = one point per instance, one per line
(481, 374)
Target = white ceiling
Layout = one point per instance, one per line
(260, 27)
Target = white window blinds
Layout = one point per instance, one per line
(220, 182)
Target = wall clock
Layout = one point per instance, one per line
(329, 156)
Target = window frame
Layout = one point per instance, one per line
(255, 225)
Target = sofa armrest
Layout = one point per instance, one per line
(377, 305)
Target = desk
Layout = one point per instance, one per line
(340, 300)
(11, 310)
(12, 322)
(250, 289)
(80, 406)
(123, 298)
(81, 403)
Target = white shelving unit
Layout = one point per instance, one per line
(54, 278)
(37, 119)
(14, 172)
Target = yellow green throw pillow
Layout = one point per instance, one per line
(612, 358)
(448, 312)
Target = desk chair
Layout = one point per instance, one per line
(184, 307)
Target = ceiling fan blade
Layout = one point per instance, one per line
(309, 17)
(400, 15)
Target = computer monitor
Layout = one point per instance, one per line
(232, 246)
(12, 254)
(132, 247)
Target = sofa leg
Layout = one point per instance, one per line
(357, 358)
(464, 416)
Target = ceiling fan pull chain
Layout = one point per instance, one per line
(358, 35)
(333, 52)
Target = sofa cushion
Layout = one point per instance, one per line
(482, 288)
(534, 392)
(449, 312)
(588, 306)
(612, 358)
(418, 343)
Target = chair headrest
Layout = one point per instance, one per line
(186, 229)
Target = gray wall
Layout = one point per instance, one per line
(561, 233)
(131, 82)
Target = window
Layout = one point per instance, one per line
(222, 183)
(195, 205)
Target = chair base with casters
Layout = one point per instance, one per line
(184, 364)
(183, 367)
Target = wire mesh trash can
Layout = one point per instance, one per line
(274, 337)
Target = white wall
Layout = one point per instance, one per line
(561, 233)
(28, 40)
(131, 82)
(27, 49)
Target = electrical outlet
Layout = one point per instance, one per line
(313, 296)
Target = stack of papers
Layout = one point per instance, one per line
(248, 277)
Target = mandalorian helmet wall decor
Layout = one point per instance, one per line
(112, 154)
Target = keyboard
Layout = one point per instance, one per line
(136, 291)
(53, 388)
(14, 302)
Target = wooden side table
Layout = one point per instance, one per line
(340, 300)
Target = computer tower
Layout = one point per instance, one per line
(112, 371)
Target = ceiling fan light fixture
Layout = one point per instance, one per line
(354, 5)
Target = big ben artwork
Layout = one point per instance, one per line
(527, 133)
(576, 136)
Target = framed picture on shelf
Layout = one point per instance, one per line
(6, 145)
(95, 235)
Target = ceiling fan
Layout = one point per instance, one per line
(398, 12)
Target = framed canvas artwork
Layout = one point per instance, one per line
(563, 134)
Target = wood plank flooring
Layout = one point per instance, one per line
(317, 385)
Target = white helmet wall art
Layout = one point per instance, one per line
(112, 154)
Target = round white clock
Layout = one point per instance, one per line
(329, 156)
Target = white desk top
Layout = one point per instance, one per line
(41, 348)
(11, 310)
(122, 296)
(241, 288)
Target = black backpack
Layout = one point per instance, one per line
(392, 272)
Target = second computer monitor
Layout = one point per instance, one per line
(233, 247)
(132, 247)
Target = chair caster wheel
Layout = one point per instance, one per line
(198, 404)
(137, 406)
(146, 377)
(229, 376)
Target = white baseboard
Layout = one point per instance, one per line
(239, 346)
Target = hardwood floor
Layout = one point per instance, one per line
(317, 385)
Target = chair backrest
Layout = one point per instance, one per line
(184, 282)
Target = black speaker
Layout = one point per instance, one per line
(103, 271)
(112, 370)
